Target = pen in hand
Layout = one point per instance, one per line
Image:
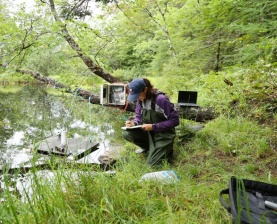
(129, 123)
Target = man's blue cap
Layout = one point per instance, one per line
(136, 87)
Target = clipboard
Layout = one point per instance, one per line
(132, 127)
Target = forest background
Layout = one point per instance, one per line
(224, 49)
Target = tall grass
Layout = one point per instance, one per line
(234, 136)
(88, 195)
(205, 162)
(101, 198)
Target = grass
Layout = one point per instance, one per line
(203, 163)
(102, 199)
(235, 136)
(86, 196)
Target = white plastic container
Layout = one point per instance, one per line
(63, 138)
(166, 176)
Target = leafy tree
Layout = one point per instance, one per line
(177, 39)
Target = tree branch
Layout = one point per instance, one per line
(76, 6)
(132, 21)
(163, 28)
(93, 67)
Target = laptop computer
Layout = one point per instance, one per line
(187, 99)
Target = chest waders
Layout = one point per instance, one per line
(159, 145)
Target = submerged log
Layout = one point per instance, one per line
(197, 114)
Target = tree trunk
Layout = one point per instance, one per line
(217, 58)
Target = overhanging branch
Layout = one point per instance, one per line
(93, 67)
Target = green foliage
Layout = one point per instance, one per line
(237, 136)
(45, 62)
(15, 78)
(176, 40)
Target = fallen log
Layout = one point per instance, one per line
(197, 114)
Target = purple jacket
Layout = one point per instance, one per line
(163, 105)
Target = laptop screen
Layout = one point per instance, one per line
(187, 97)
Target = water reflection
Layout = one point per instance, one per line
(31, 115)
